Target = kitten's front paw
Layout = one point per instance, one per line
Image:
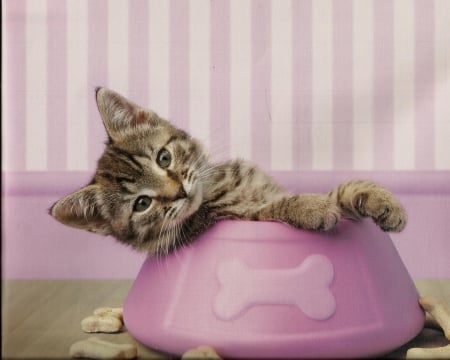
(383, 208)
(316, 213)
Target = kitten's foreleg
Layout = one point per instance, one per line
(360, 198)
(309, 211)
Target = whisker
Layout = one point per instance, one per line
(163, 234)
(177, 240)
(209, 173)
(210, 168)
(184, 239)
(202, 157)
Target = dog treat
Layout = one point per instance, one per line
(439, 310)
(429, 353)
(94, 348)
(431, 323)
(202, 352)
(103, 324)
(294, 286)
(109, 311)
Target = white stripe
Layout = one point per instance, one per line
(77, 102)
(118, 46)
(281, 85)
(404, 144)
(199, 42)
(240, 79)
(7, 142)
(363, 145)
(159, 61)
(36, 84)
(363, 157)
(322, 48)
(442, 83)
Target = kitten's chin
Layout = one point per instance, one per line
(193, 203)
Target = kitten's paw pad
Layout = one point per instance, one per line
(383, 208)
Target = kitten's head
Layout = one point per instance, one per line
(147, 182)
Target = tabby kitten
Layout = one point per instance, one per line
(155, 189)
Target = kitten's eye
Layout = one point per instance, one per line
(142, 203)
(164, 158)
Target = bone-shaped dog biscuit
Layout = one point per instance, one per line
(104, 324)
(306, 286)
(429, 353)
(105, 319)
(94, 348)
(439, 310)
(116, 312)
(201, 352)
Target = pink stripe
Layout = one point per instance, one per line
(138, 40)
(56, 85)
(179, 64)
(97, 74)
(302, 84)
(343, 85)
(261, 84)
(220, 79)
(15, 84)
(383, 85)
(424, 84)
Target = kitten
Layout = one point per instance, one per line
(155, 189)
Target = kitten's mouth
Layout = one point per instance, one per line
(190, 204)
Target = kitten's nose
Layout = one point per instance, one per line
(181, 193)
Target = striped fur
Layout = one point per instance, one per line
(186, 193)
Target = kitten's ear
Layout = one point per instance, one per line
(120, 115)
(81, 210)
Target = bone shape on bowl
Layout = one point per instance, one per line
(306, 286)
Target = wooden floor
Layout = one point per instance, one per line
(41, 319)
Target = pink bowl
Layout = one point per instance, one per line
(266, 290)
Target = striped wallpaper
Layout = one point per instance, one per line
(291, 84)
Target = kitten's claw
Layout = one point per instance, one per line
(395, 222)
(383, 208)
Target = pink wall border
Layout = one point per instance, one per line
(35, 246)
(402, 182)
